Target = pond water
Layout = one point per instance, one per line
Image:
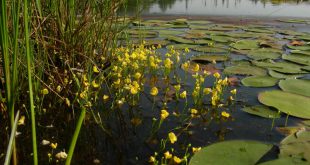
(257, 8)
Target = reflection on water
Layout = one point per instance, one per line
(262, 8)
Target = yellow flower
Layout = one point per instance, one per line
(234, 91)
(168, 63)
(44, 91)
(83, 94)
(196, 68)
(225, 81)
(67, 102)
(95, 69)
(168, 155)
(172, 137)
(58, 88)
(177, 87)
(225, 114)
(194, 111)
(177, 160)
(53, 145)
(137, 75)
(21, 121)
(183, 95)
(94, 84)
(49, 155)
(231, 98)
(154, 91)
(117, 82)
(152, 159)
(207, 91)
(185, 66)
(105, 97)
(186, 50)
(196, 149)
(217, 75)
(133, 90)
(164, 114)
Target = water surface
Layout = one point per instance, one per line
(242, 8)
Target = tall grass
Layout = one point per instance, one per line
(42, 44)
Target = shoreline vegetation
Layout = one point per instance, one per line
(82, 83)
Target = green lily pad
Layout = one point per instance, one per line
(262, 111)
(286, 161)
(297, 86)
(300, 52)
(261, 54)
(233, 152)
(302, 21)
(245, 70)
(283, 67)
(180, 40)
(259, 81)
(222, 39)
(289, 103)
(259, 30)
(279, 75)
(199, 22)
(245, 45)
(203, 41)
(297, 58)
(167, 33)
(296, 145)
(305, 38)
(209, 49)
(181, 46)
(304, 47)
(209, 58)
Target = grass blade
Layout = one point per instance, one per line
(11, 142)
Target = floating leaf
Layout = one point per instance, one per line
(181, 46)
(279, 75)
(209, 58)
(286, 161)
(180, 40)
(245, 70)
(289, 130)
(296, 145)
(283, 67)
(289, 103)
(167, 33)
(222, 39)
(233, 152)
(261, 54)
(305, 47)
(262, 111)
(297, 86)
(245, 45)
(202, 41)
(259, 81)
(208, 49)
(300, 52)
(297, 58)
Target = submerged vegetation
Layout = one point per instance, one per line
(82, 83)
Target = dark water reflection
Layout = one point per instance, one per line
(260, 8)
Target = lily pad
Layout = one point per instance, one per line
(209, 49)
(245, 70)
(262, 111)
(209, 58)
(286, 161)
(181, 46)
(261, 54)
(202, 41)
(279, 75)
(259, 81)
(283, 67)
(289, 103)
(233, 152)
(180, 40)
(300, 52)
(297, 58)
(245, 44)
(304, 47)
(296, 145)
(222, 39)
(167, 33)
(297, 86)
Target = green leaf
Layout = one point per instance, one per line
(262, 111)
(264, 53)
(297, 86)
(297, 58)
(241, 152)
(245, 45)
(296, 145)
(245, 70)
(180, 40)
(305, 47)
(289, 103)
(259, 81)
(209, 58)
(208, 49)
(286, 161)
(279, 75)
(283, 67)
